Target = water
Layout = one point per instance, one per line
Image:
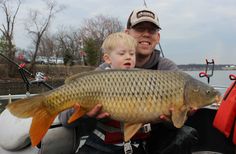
(219, 80)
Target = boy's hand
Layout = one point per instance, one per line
(94, 112)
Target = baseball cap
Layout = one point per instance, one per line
(142, 15)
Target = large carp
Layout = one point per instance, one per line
(134, 97)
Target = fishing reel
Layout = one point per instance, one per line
(209, 66)
(40, 77)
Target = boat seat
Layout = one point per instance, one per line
(59, 140)
(14, 131)
(14, 134)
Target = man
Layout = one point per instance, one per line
(143, 25)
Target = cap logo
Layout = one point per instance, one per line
(141, 14)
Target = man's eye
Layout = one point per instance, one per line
(152, 31)
(140, 29)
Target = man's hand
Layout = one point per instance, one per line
(95, 112)
(168, 118)
(192, 111)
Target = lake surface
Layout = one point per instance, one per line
(220, 79)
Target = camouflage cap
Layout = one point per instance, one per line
(142, 15)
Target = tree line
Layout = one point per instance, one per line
(69, 43)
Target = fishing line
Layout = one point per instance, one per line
(144, 3)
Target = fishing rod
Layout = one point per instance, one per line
(206, 74)
(39, 77)
(162, 53)
(11, 61)
(233, 78)
(144, 3)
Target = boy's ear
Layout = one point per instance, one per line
(107, 58)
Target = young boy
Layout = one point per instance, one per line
(119, 51)
(107, 137)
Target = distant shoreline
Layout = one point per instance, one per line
(201, 67)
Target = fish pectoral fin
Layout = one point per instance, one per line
(77, 114)
(179, 117)
(130, 130)
(41, 122)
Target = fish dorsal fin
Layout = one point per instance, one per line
(79, 112)
(179, 116)
(130, 130)
(79, 75)
(25, 108)
(72, 78)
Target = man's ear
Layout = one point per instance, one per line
(107, 58)
(126, 31)
(159, 37)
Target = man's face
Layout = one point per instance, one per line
(147, 36)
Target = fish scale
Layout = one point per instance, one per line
(123, 84)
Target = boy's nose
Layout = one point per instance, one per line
(127, 56)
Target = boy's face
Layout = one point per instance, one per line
(122, 57)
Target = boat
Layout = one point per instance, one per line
(15, 137)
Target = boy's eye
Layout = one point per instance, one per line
(121, 53)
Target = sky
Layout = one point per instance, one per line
(192, 30)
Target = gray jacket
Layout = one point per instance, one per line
(156, 62)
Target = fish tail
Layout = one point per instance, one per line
(40, 125)
(41, 118)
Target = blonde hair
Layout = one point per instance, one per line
(110, 43)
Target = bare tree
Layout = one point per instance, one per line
(68, 44)
(98, 28)
(7, 28)
(47, 45)
(39, 23)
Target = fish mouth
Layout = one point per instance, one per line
(218, 99)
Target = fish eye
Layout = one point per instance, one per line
(208, 92)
